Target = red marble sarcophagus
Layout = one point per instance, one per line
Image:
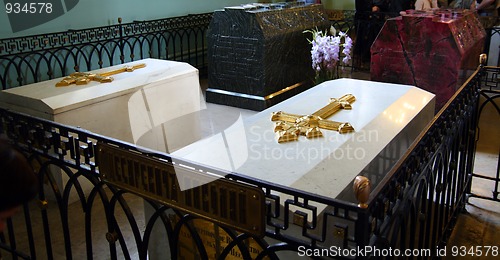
(428, 50)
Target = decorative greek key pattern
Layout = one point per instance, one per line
(29, 44)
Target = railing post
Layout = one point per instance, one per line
(121, 41)
(363, 230)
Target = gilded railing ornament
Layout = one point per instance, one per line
(483, 58)
(362, 188)
(288, 127)
(82, 78)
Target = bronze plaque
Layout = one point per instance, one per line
(221, 201)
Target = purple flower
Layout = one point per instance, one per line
(326, 50)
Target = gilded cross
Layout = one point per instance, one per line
(82, 78)
(289, 127)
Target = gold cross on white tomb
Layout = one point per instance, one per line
(82, 78)
(289, 127)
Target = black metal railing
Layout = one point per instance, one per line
(425, 192)
(490, 93)
(30, 59)
(79, 215)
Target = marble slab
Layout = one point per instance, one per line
(133, 103)
(383, 115)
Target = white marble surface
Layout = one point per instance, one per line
(132, 104)
(323, 166)
(125, 108)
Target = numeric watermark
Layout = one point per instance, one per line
(28, 8)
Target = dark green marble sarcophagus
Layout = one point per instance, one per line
(259, 55)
